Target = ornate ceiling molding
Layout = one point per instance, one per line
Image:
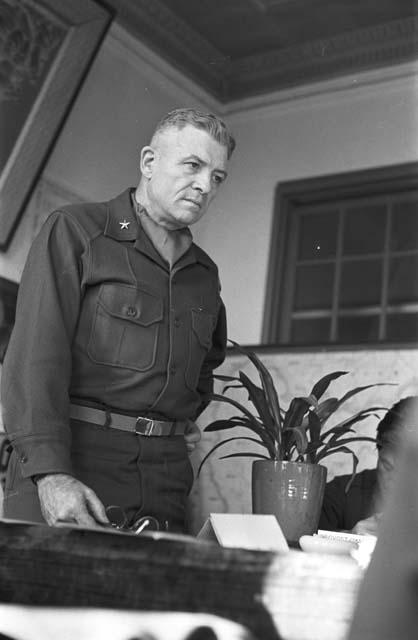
(227, 80)
(365, 49)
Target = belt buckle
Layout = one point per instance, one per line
(144, 426)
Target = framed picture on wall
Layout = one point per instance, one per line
(8, 296)
(46, 48)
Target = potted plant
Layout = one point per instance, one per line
(287, 479)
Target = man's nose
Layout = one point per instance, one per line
(203, 182)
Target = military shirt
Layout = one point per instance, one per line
(102, 318)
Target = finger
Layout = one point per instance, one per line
(96, 508)
(193, 434)
(190, 447)
(86, 520)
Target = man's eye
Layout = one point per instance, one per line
(192, 164)
(218, 179)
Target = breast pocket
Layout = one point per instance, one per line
(126, 327)
(200, 342)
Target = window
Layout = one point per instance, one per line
(344, 260)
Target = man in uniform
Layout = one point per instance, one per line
(119, 326)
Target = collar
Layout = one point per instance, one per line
(171, 245)
(121, 211)
(121, 222)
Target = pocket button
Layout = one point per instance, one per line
(131, 312)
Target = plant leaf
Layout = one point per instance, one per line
(221, 444)
(218, 376)
(251, 423)
(355, 463)
(232, 386)
(326, 408)
(230, 423)
(258, 398)
(354, 439)
(297, 409)
(357, 390)
(234, 403)
(295, 436)
(314, 423)
(269, 389)
(244, 455)
(322, 385)
(357, 417)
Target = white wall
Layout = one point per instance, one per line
(345, 130)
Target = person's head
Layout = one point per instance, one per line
(388, 436)
(183, 166)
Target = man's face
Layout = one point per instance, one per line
(183, 170)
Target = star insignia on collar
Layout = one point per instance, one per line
(124, 224)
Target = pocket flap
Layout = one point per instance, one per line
(131, 303)
(203, 324)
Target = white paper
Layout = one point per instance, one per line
(244, 530)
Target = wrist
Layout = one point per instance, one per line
(37, 477)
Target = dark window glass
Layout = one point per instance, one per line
(357, 329)
(364, 229)
(402, 327)
(311, 331)
(317, 235)
(313, 287)
(361, 282)
(403, 279)
(404, 231)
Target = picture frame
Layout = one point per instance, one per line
(49, 46)
(8, 297)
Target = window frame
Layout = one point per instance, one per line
(389, 180)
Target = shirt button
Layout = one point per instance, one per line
(131, 311)
(176, 322)
(23, 459)
(173, 370)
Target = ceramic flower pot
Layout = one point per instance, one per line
(292, 491)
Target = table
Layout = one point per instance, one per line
(294, 595)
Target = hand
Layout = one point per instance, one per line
(63, 498)
(192, 436)
(368, 526)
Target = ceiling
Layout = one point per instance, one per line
(237, 49)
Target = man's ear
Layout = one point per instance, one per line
(147, 161)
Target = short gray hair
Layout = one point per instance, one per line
(214, 126)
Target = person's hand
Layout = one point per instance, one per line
(368, 527)
(192, 436)
(63, 498)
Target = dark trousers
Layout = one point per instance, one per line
(143, 475)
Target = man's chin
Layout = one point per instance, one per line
(186, 218)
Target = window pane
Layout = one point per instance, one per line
(356, 329)
(402, 327)
(364, 229)
(317, 235)
(313, 287)
(361, 282)
(311, 331)
(404, 231)
(403, 279)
